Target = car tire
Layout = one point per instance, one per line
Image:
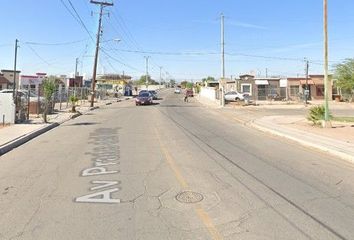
(237, 99)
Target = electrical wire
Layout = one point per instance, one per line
(77, 17)
(55, 44)
(36, 53)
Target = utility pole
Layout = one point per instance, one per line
(221, 83)
(160, 75)
(14, 93)
(15, 87)
(102, 5)
(325, 31)
(76, 63)
(307, 91)
(147, 71)
(266, 72)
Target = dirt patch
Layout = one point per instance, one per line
(339, 131)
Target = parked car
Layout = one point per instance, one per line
(154, 94)
(177, 90)
(235, 96)
(144, 98)
(189, 93)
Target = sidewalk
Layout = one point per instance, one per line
(338, 140)
(15, 135)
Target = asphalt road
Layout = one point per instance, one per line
(173, 170)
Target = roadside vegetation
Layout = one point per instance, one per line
(343, 119)
(49, 87)
(344, 75)
(317, 114)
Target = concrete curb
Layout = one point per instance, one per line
(19, 141)
(345, 156)
(27, 137)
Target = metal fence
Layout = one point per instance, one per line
(32, 101)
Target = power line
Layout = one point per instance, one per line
(80, 20)
(77, 17)
(39, 57)
(115, 59)
(55, 44)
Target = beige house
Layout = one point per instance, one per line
(9, 75)
(4, 83)
(315, 83)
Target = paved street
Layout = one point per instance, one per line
(173, 170)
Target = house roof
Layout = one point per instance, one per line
(5, 70)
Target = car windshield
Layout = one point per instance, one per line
(144, 94)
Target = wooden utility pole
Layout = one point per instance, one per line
(98, 37)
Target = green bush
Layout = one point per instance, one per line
(73, 99)
(316, 114)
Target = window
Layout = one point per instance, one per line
(246, 88)
(320, 91)
(294, 90)
(273, 89)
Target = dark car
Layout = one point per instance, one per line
(144, 98)
(154, 94)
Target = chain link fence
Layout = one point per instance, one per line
(32, 102)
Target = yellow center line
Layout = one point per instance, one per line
(201, 213)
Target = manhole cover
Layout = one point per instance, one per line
(189, 197)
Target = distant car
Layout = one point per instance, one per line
(154, 94)
(177, 90)
(235, 96)
(144, 98)
(189, 93)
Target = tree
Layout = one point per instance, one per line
(142, 80)
(189, 85)
(49, 87)
(184, 84)
(208, 79)
(344, 73)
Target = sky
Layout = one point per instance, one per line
(180, 36)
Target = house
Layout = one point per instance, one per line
(75, 82)
(115, 82)
(9, 75)
(4, 83)
(260, 88)
(315, 83)
(32, 82)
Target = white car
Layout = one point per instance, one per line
(235, 96)
(178, 90)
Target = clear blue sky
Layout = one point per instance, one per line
(258, 35)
